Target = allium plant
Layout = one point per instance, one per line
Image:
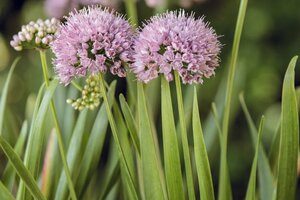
(144, 162)
(38, 35)
(175, 41)
(92, 40)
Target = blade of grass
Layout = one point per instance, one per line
(131, 125)
(111, 173)
(289, 137)
(36, 138)
(171, 153)
(69, 118)
(57, 127)
(126, 146)
(223, 176)
(132, 187)
(265, 176)
(251, 189)
(216, 119)
(11, 125)
(95, 144)
(5, 92)
(274, 151)
(21, 189)
(184, 138)
(73, 155)
(4, 192)
(130, 6)
(24, 174)
(201, 157)
(48, 165)
(9, 173)
(153, 185)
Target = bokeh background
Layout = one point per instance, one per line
(271, 37)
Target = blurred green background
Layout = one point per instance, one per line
(271, 36)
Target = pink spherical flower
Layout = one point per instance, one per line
(92, 40)
(175, 41)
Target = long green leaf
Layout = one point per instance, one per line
(250, 195)
(95, 143)
(218, 126)
(21, 189)
(184, 138)
(4, 193)
(5, 92)
(110, 174)
(170, 144)
(201, 157)
(9, 173)
(131, 124)
(126, 146)
(153, 185)
(289, 137)
(129, 177)
(265, 177)
(274, 151)
(21, 169)
(73, 155)
(235, 49)
(36, 137)
(47, 180)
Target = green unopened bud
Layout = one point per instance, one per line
(90, 95)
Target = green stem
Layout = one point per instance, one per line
(58, 131)
(78, 87)
(224, 177)
(184, 138)
(116, 138)
(131, 12)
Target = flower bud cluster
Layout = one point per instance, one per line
(35, 35)
(90, 95)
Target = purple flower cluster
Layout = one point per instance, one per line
(176, 42)
(92, 40)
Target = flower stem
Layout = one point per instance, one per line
(224, 176)
(58, 131)
(131, 12)
(116, 138)
(76, 86)
(184, 138)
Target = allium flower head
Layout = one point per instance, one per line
(91, 41)
(175, 41)
(36, 35)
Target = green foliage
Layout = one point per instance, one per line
(171, 154)
(131, 124)
(115, 151)
(265, 177)
(289, 137)
(224, 178)
(201, 157)
(153, 183)
(4, 193)
(250, 195)
(24, 174)
(5, 92)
